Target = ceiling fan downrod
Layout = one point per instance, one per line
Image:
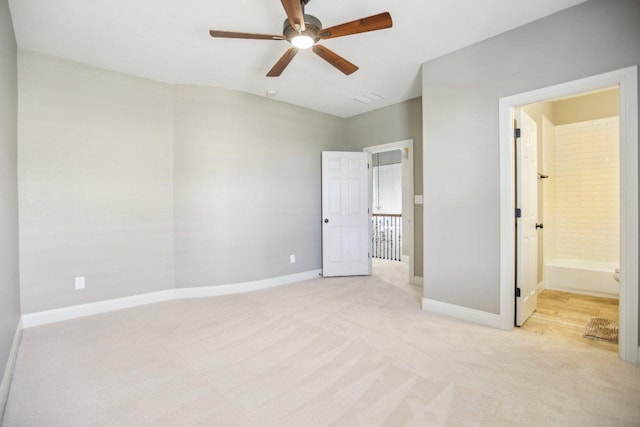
(303, 3)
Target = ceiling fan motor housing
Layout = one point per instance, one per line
(312, 24)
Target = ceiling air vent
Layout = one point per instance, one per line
(368, 98)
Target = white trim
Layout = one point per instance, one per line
(237, 288)
(627, 81)
(629, 216)
(400, 145)
(370, 207)
(464, 313)
(83, 310)
(5, 386)
(507, 213)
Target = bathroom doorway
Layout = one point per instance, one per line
(576, 187)
(626, 82)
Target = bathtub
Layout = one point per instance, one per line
(582, 277)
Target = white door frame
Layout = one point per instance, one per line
(402, 145)
(627, 81)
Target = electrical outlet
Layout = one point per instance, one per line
(292, 258)
(79, 283)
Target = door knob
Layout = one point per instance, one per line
(539, 225)
(326, 220)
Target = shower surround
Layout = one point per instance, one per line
(582, 206)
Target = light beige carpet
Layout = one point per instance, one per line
(328, 352)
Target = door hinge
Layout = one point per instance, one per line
(517, 292)
(368, 210)
(368, 254)
(368, 166)
(516, 132)
(518, 213)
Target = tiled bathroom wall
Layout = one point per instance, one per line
(587, 191)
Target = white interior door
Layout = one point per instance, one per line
(526, 230)
(345, 214)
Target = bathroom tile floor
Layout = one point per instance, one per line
(566, 315)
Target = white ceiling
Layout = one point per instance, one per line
(168, 40)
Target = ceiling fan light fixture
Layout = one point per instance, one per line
(302, 41)
(305, 31)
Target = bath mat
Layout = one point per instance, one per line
(602, 329)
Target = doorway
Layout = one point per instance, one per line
(400, 218)
(626, 81)
(568, 185)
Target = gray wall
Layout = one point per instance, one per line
(9, 276)
(95, 183)
(247, 185)
(461, 136)
(101, 155)
(390, 124)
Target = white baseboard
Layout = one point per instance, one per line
(237, 288)
(8, 370)
(418, 280)
(463, 313)
(82, 310)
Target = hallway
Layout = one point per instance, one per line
(396, 273)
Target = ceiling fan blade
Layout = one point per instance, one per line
(372, 23)
(282, 62)
(334, 59)
(234, 35)
(294, 13)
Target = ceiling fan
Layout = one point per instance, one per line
(304, 31)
